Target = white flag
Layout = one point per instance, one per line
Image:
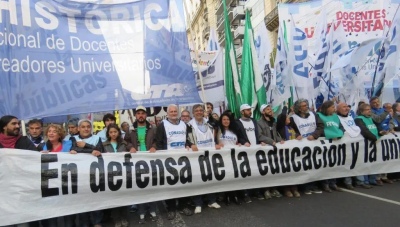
(299, 67)
(213, 44)
(264, 49)
(392, 66)
(281, 92)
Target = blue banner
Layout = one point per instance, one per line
(61, 57)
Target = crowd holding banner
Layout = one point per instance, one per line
(61, 57)
(72, 177)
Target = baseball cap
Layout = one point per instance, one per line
(263, 106)
(141, 108)
(245, 107)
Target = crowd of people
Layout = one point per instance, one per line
(201, 129)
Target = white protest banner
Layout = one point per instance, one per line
(211, 67)
(36, 186)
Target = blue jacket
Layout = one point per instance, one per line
(66, 146)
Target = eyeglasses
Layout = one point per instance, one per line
(185, 116)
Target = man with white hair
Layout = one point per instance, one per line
(171, 135)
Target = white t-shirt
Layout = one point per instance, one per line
(350, 126)
(306, 126)
(176, 135)
(250, 129)
(229, 139)
(204, 139)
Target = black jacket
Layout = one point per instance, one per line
(242, 136)
(365, 132)
(123, 146)
(88, 147)
(265, 129)
(23, 143)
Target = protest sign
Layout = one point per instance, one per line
(58, 184)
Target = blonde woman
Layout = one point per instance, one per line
(55, 135)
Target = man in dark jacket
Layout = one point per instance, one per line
(378, 113)
(10, 135)
(143, 135)
(172, 134)
(35, 131)
(396, 116)
(248, 130)
(249, 135)
(267, 125)
(11, 138)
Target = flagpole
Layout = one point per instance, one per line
(195, 53)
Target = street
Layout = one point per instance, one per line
(378, 206)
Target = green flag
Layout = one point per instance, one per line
(251, 82)
(290, 101)
(232, 87)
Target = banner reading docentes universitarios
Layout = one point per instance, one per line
(36, 186)
(354, 22)
(59, 57)
(361, 20)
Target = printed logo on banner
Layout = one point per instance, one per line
(361, 21)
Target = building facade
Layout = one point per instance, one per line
(209, 14)
(200, 19)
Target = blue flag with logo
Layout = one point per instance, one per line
(60, 57)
